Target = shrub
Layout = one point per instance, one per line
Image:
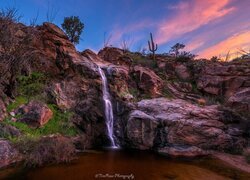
(60, 123)
(145, 61)
(176, 49)
(31, 85)
(185, 56)
(73, 28)
(47, 150)
(18, 102)
(10, 14)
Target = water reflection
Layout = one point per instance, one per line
(133, 164)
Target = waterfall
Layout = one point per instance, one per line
(109, 116)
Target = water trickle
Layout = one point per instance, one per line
(108, 108)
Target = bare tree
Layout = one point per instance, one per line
(51, 13)
(244, 54)
(16, 55)
(10, 14)
(227, 56)
(126, 44)
(33, 21)
(106, 39)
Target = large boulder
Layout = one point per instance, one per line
(84, 98)
(8, 154)
(147, 81)
(176, 126)
(35, 114)
(115, 56)
(8, 131)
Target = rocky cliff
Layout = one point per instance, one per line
(179, 108)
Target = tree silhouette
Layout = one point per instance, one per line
(176, 49)
(73, 28)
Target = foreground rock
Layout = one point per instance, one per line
(177, 127)
(237, 161)
(35, 114)
(8, 131)
(8, 154)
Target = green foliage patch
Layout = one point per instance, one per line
(32, 85)
(60, 123)
(18, 101)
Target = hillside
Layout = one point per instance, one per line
(51, 97)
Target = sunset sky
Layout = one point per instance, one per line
(207, 27)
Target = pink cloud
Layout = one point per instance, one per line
(194, 45)
(190, 16)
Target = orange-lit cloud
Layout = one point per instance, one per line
(232, 44)
(191, 15)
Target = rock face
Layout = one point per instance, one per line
(9, 131)
(35, 114)
(176, 126)
(229, 81)
(182, 72)
(240, 101)
(2, 110)
(225, 79)
(115, 56)
(83, 97)
(147, 80)
(8, 154)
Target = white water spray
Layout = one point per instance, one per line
(108, 108)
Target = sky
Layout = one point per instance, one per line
(207, 27)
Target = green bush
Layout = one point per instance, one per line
(143, 61)
(32, 85)
(18, 101)
(60, 123)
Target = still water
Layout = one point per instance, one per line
(115, 164)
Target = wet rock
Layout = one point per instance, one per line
(182, 151)
(141, 130)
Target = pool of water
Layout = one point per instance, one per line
(111, 164)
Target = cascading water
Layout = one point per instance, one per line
(108, 108)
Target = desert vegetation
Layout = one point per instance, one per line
(51, 95)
